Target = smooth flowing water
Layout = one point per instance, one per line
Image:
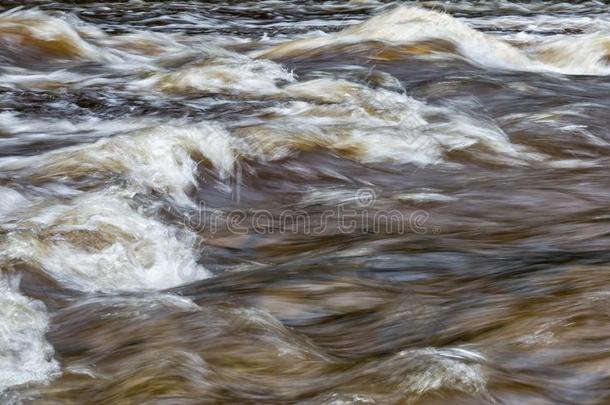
(299, 202)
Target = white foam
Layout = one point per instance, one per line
(575, 54)
(222, 72)
(25, 355)
(373, 126)
(101, 240)
(19, 131)
(405, 25)
(10, 200)
(51, 30)
(432, 369)
(98, 241)
(424, 197)
(161, 158)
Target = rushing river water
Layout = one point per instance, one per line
(304, 202)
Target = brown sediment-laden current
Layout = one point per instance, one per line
(299, 202)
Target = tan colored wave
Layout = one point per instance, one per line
(411, 31)
(31, 34)
(373, 126)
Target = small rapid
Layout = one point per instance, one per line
(360, 202)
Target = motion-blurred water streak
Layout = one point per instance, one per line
(338, 202)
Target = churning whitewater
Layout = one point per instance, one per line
(338, 202)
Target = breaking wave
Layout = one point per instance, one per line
(431, 34)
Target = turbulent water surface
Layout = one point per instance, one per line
(304, 202)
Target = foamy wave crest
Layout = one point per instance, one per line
(10, 200)
(32, 34)
(33, 37)
(163, 158)
(20, 132)
(102, 240)
(373, 126)
(223, 72)
(25, 355)
(433, 369)
(432, 34)
(574, 54)
(97, 241)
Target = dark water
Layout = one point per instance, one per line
(304, 202)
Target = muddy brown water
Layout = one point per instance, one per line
(304, 202)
